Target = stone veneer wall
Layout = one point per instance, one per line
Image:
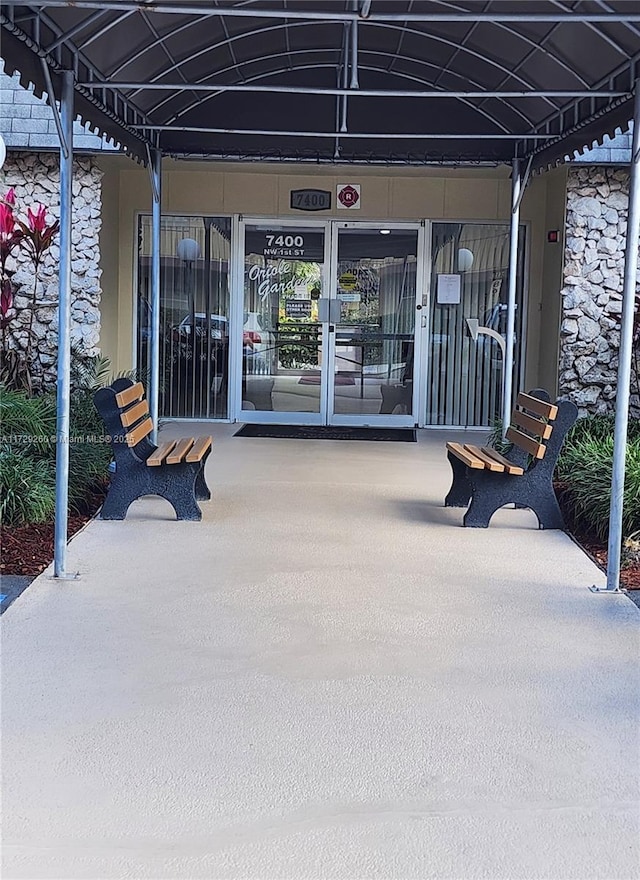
(597, 207)
(36, 180)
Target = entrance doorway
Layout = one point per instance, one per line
(329, 323)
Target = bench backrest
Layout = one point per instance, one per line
(134, 413)
(532, 424)
(125, 413)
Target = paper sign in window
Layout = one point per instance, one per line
(448, 290)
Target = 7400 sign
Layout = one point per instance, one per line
(283, 245)
(310, 199)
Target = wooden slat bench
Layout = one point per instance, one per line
(174, 470)
(484, 480)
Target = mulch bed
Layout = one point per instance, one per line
(629, 575)
(28, 550)
(594, 546)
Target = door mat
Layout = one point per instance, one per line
(304, 432)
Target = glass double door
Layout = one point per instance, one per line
(329, 323)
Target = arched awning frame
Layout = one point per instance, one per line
(476, 67)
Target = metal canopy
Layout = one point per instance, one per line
(380, 81)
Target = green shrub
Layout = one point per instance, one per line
(32, 419)
(599, 427)
(584, 473)
(89, 457)
(88, 374)
(27, 488)
(495, 437)
(585, 470)
(28, 448)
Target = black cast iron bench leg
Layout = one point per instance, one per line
(202, 490)
(491, 491)
(460, 491)
(119, 499)
(175, 483)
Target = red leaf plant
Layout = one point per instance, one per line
(35, 236)
(38, 235)
(38, 238)
(6, 301)
(11, 234)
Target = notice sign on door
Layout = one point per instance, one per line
(448, 289)
(297, 308)
(348, 281)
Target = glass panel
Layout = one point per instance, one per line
(282, 333)
(194, 314)
(373, 371)
(465, 377)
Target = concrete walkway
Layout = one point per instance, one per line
(326, 678)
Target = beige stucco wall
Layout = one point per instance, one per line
(550, 298)
(110, 330)
(389, 194)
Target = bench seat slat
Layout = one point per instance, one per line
(134, 413)
(509, 466)
(539, 407)
(200, 447)
(156, 458)
(129, 395)
(180, 450)
(537, 450)
(490, 464)
(139, 432)
(460, 452)
(533, 426)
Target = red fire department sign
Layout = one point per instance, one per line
(348, 195)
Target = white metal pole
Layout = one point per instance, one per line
(624, 359)
(354, 53)
(154, 389)
(507, 383)
(63, 395)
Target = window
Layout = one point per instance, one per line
(194, 314)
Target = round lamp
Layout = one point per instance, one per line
(465, 259)
(188, 250)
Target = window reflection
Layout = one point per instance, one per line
(194, 314)
(465, 376)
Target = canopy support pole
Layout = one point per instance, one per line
(354, 50)
(154, 389)
(345, 73)
(54, 107)
(63, 392)
(507, 385)
(624, 363)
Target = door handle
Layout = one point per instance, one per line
(334, 311)
(323, 310)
